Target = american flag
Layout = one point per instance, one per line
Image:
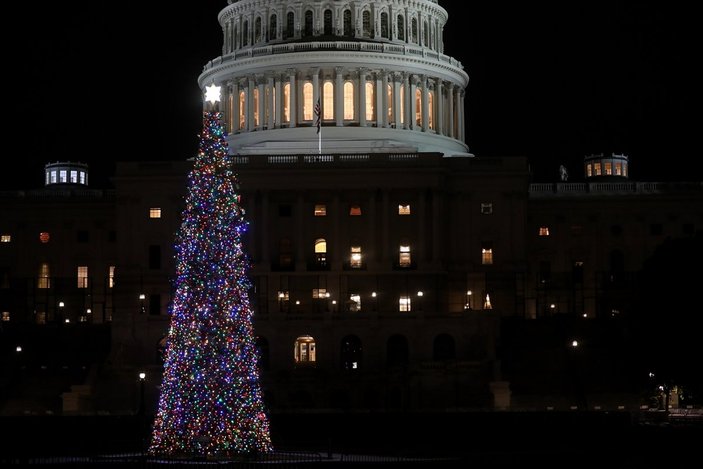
(317, 115)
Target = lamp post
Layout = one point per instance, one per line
(467, 306)
(142, 379)
(142, 410)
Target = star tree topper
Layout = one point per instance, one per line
(212, 93)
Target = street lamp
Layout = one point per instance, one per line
(142, 380)
(467, 306)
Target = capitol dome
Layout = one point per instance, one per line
(376, 68)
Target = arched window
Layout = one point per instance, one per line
(384, 25)
(245, 33)
(321, 252)
(256, 107)
(397, 351)
(262, 349)
(418, 107)
(273, 26)
(413, 27)
(235, 38)
(290, 25)
(242, 110)
(351, 353)
(328, 100)
(308, 24)
(328, 23)
(348, 31)
(307, 101)
(286, 102)
(257, 30)
(401, 27)
(349, 101)
(389, 99)
(304, 350)
(425, 34)
(430, 110)
(366, 23)
(443, 348)
(370, 101)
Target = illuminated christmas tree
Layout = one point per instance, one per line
(211, 400)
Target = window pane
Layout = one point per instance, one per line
(154, 212)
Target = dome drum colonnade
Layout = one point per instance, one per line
(369, 86)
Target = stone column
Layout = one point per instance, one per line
(397, 114)
(451, 125)
(261, 104)
(381, 110)
(407, 118)
(293, 94)
(278, 113)
(270, 101)
(250, 124)
(439, 106)
(412, 124)
(362, 97)
(235, 106)
(425, 104)
(339, 96)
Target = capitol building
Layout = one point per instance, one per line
(391, 266)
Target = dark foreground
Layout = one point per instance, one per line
(478, 440)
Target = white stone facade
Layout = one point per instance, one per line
(376, 68)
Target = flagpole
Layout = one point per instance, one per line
(319, 141)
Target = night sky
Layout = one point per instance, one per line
(117, 81)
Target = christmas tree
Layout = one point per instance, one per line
(211, 401)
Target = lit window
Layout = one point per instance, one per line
(44, 281)
(82, 276)
(82, 178)
(608, 169)
(405, 259)
(370, 102)
(319, 293)
(597, 169)
(53, 177)
(355, 261)
(111, 277)
(486, 208)
(155, 212)
(255, 104)
(430, 109)
(354, 302)
(348, 101)
(355, 211)
(320, 210)
(402, 104)
(418, 107)
(403, 209)
(624, 169)
(321, 251)
(242, 110)
(405, 304)
(328, 101)
(307, 101)
(6, 238)
(304, 351)
(286, 102)
(618, 169)
(44, 237)
(389, 100)
(589, 170)
(63, 176)
(544, 231)
(5, 316)
(487, 254)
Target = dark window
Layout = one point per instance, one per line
(308, 24)
(155, 257)
(328, 23)
(290, 25)
(577, 272)
(656, 229)
(401, 28)
(155, 304)
(384, 25)
(245, 34)
(351, 353)
(285, 210)
(348, 24)
(616, 230)
(545, 271)
(272, 28)
(397, 351)
(444, 348)
(82, 236)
